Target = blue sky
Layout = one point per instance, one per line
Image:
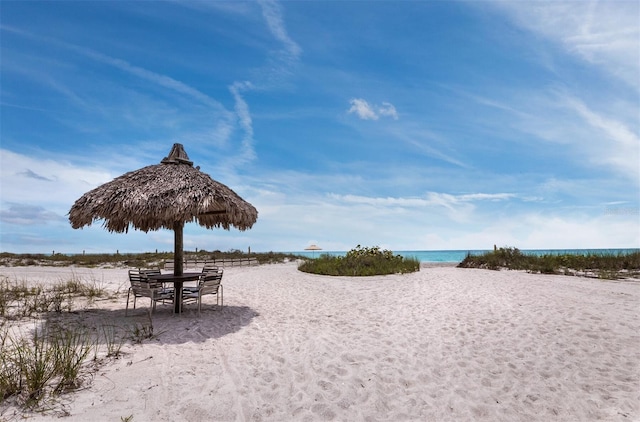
(413, 125)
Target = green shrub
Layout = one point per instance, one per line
(361, 261)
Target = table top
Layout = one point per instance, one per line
(173, 277)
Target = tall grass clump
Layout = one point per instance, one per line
(49, 362)
(361, 261)
(55, 359)
(600, 265)
(10, 374)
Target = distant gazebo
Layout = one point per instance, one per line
(313, 247)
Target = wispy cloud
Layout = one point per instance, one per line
(283, 61)
(156, 78)
(21, 185)
(23, 215)
(272, 13)
(604, 33)
(430, 199)
(459, 206)
(600, 134)
(596, 137)
(33, 175)
(244, 116)
(426, 142)
(281, 65)
(619, 144)
(153, 77)
(367, 111)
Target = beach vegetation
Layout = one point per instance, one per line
(48, 362)
(54, 357)
(113, 341)
(135, 260)
(140, 332)
(17, 299)
(597, 265)
(361, 261)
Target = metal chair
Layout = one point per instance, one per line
(141, 286)
(209, 284)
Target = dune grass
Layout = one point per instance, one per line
(36, 368)
(603, 265)
(19, 300)
(38, 365)
(361, 261)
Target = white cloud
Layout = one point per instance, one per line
(454, 207)
(387, 109)
(290, 215)
(435, 221)
(537, 231)
(366, 111)
(432, 198)
(362, 109)
(57, 185)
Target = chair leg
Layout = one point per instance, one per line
(126, 309)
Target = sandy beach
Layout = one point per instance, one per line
(444, 344)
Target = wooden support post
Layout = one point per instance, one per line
(178, 253)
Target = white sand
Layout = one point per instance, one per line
(440, 345)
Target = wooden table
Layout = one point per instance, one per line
(177, 281)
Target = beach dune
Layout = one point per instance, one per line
(443, 344)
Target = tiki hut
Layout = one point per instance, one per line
(313, 247)
(165, 195)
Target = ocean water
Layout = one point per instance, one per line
(458, 255)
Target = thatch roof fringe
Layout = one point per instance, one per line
(160, 195)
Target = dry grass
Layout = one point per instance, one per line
(39, 364)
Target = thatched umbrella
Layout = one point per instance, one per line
(164, 195)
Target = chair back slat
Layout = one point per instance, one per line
(139, 280)
(152, 283)
(210, 267)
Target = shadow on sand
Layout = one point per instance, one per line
(159, 327)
